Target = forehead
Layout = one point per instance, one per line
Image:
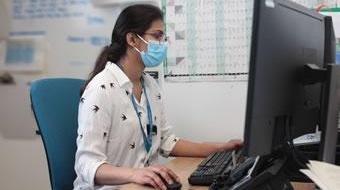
(156, 25)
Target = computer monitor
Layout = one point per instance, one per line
(291, 83)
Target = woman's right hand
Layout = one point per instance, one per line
(150, 176)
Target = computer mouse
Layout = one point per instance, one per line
(174, 186)
(171, 186)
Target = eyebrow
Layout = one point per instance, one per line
(161, 31)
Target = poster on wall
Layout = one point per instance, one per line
(74, 32)
(22, 54)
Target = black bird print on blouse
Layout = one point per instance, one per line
(82, 100)
(102, 86)
(139, 114)
(175, 140)
(127, 92)
(133, 145)
(159, 96)
(112, 85)
(124, 117)
(95, 108)
(161, 151)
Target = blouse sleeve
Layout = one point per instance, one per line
(168, 138)
(94, 122)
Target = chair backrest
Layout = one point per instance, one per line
(55, 106)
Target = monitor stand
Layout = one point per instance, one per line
(329, 78)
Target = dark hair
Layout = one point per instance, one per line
(136, 19)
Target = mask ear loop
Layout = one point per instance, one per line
(142, 40)
(136, 49)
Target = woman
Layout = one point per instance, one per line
(122, 124)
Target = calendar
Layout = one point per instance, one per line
(210, 39)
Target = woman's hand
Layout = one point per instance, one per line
(320, 6)
(231, 145)
(236, 143)
(150, 176)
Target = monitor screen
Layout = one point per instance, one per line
(285, 38)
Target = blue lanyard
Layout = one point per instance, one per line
(146, 137)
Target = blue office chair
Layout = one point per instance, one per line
(55, 106)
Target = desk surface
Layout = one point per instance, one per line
(184, 166)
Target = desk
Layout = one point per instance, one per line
(184, 166)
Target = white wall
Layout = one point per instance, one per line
(212, 111)
(4, 19)
(23, 163)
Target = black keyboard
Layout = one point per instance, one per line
(210, 168)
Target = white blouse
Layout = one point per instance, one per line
(109, 130)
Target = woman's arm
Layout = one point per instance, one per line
(107, 174)
(194, 149)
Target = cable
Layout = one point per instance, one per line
(295, 153)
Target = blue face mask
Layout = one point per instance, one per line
(155, 53)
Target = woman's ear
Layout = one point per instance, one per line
(131, 39)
